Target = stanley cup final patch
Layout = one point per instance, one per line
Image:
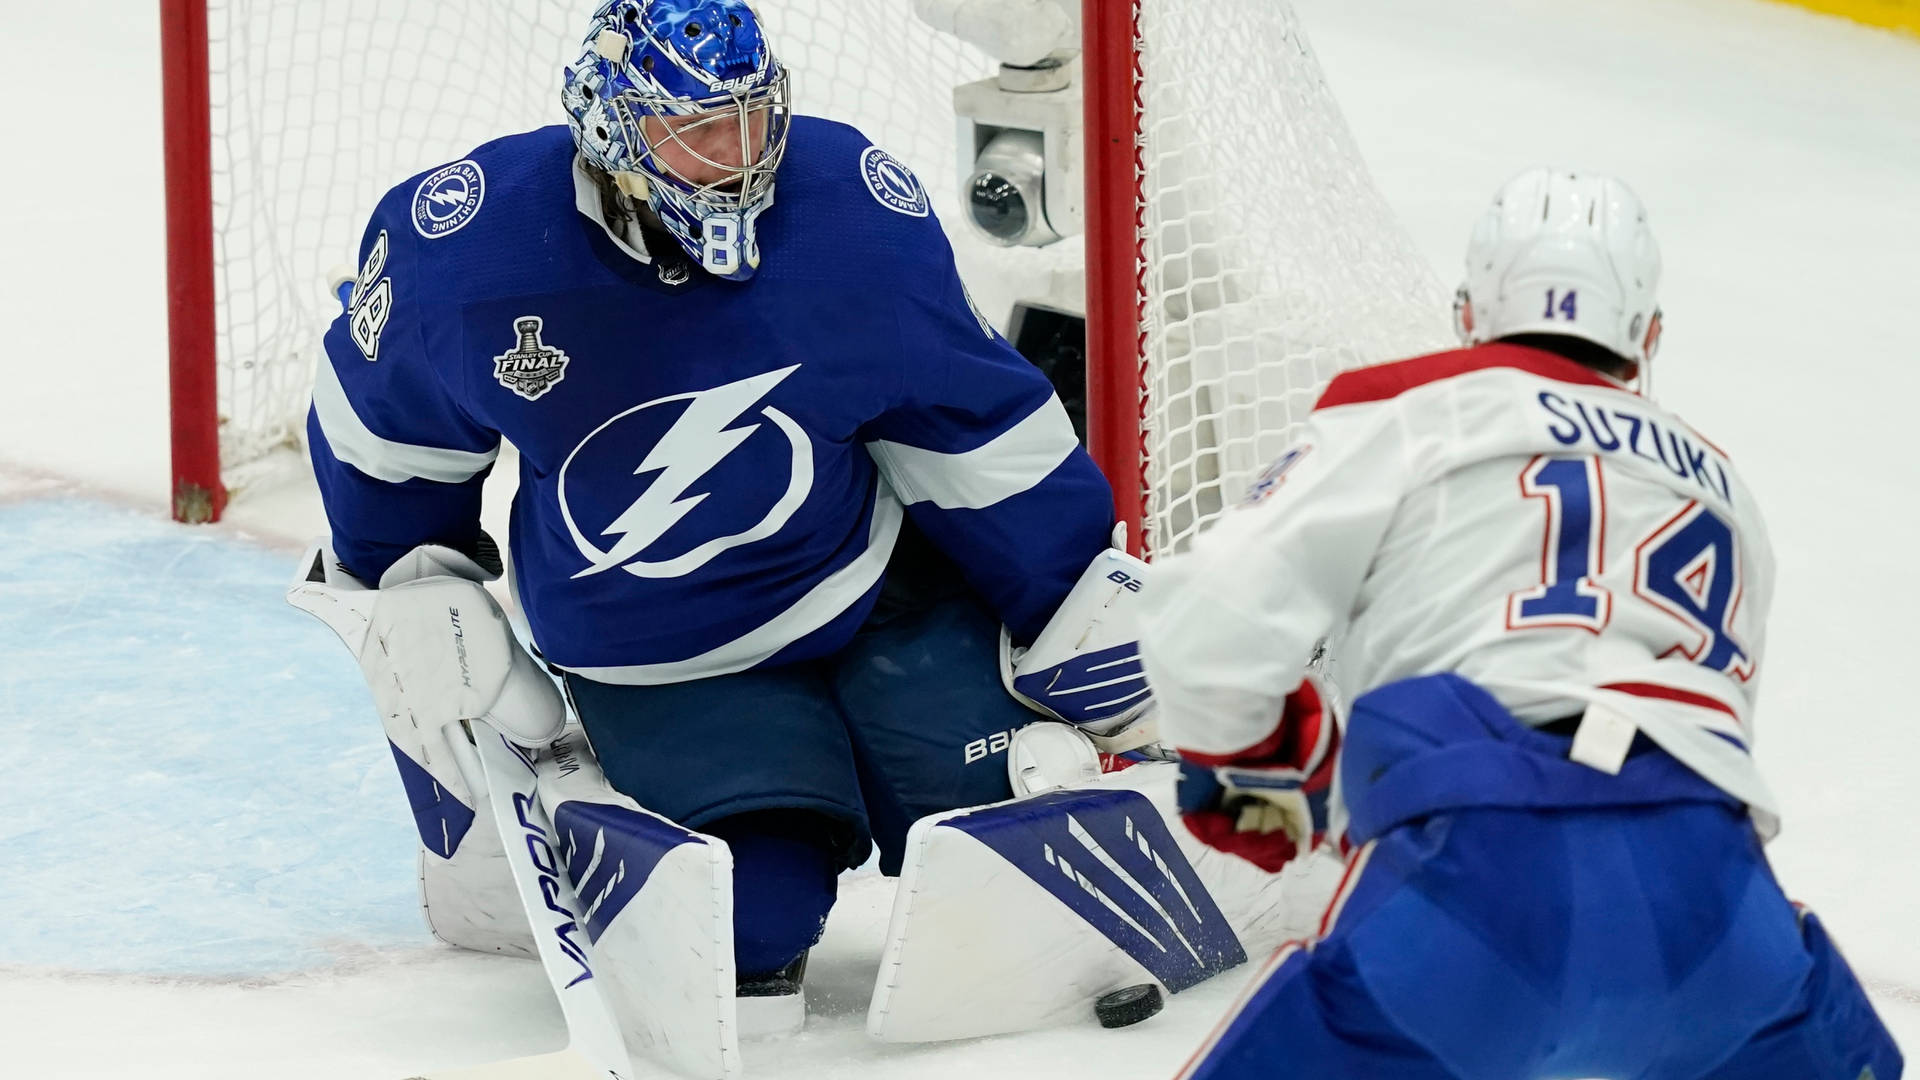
(532, 367)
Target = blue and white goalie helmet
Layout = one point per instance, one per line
(1564, 253)
(682, 101)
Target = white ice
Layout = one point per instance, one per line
(208, 864)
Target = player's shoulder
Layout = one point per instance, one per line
(1396, 380)
(485, 196)
(830, 154)
(841, 189)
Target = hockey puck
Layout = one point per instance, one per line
(1129, 1005)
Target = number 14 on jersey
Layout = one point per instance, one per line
(1688, 568)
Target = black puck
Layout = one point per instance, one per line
(1129, 1005)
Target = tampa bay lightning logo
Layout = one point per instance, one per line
(448, 198)
(699, 441)
(894, 184)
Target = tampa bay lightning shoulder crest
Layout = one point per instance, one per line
(893, 184)
(531, 367)
(448, 199)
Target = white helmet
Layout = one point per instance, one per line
(1559, 253)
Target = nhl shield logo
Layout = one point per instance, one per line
(532, 367)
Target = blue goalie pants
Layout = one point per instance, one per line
(1642, 943)
(804, 768)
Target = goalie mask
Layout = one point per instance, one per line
(683, 103)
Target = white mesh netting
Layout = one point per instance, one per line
(318, 108)
(1273, 263)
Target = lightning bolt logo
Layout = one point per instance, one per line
(448, 196)
(697, 442)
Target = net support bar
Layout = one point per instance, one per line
(198, 494)
(1116, 255)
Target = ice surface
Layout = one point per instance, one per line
(201, 760)
(207, 873)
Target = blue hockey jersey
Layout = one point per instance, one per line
(712, 474)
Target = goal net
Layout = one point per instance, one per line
(1270, 261)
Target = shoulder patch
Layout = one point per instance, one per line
(448, 198)
(1275, 474)
(893, 184)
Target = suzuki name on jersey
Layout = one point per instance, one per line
(1608, 429)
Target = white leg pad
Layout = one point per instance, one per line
(470, 900)
(656, 900)
(1018, 915)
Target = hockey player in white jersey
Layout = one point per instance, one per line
(1548, 595)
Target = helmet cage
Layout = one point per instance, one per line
(737, 188)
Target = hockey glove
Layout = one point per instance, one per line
(435, 649)
(433, 645)
(1268, 803)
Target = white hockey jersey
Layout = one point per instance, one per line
(1501, 513)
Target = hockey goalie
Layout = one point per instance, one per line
(801, 544)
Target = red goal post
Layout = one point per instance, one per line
(198, 494)
(1116, 270)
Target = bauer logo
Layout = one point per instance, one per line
(893, 184)
(448, 198)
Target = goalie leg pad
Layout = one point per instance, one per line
(656, 902)
(1019, 915)
(435, 649)
(468, 897)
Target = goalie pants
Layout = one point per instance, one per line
(1645, 943)
(804, 768)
